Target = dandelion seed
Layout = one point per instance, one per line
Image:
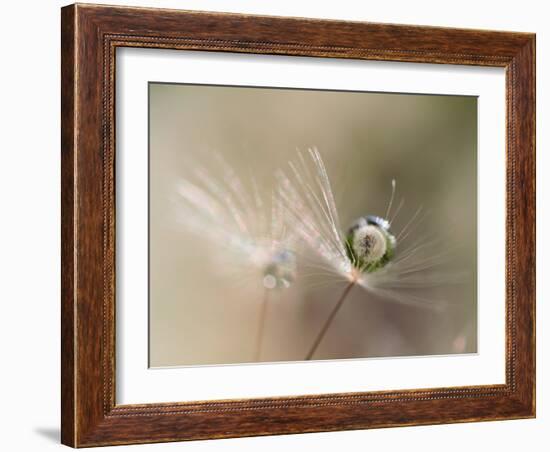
(366, 255)
(229, 214)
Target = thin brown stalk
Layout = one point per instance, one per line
(329, 320)
(261, 326)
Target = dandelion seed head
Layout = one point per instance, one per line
(230, 214)
(395, 268)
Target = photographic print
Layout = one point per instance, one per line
(293, 224)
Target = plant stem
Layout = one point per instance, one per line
(329, 320)
(261, 326)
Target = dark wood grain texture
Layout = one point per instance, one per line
(68, 311)
(90, 36)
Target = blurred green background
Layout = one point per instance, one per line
(428, 143)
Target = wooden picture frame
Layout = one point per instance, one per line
(90, 35)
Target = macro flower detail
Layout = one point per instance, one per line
(369, 255)
(247, 245)
(230, 214)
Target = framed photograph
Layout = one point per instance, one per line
(281, 225)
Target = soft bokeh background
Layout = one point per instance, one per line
(428, 143)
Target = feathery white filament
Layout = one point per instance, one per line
(232, 217)
(310, 209)
(311, 213)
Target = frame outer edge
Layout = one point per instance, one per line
(86, 418)
(534, 225)
(525, 62)
(68, 242)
